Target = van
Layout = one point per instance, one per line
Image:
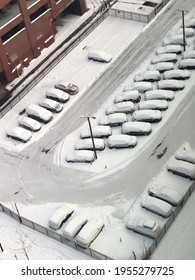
(89, 232)
(61, 215)
(38, 113)
(74, 226)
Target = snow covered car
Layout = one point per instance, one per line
(165, 57)
(100, 56)
(99, 131)
(188, 54)
(57, 95)
(74, 225)
(87, 144)
(171, 84)
(80, 156)
(130, 95)
(89, 232)
(61, 215)
(176, 39)
(144, 226)
(150, 75)
(167, 194)
(51, 105)
(157, 206)
(121, 107)
(181, 168)
(169, 49)
(186, 155)
(189, 32)
(136, 128)
(140, 86)
(38, 113)
(151, 116)
(67, 87)
(30, 124)
(113, 119)
(161, 66)
(176, 74)
(190, 23)
(159, 94)
(19, 134)
(161, 105)
(188, 63)
(121, 141)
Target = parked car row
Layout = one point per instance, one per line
(78, 227)
(160, 200)
(42, 113)
(144, 100)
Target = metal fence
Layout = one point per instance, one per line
(47, 64)
(52, 234)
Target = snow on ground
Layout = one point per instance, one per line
(114, 215)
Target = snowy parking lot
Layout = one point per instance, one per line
(109, 186)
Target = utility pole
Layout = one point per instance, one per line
(183, 25)
(91, 133)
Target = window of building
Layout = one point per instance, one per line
(12, 32)
(39, 12)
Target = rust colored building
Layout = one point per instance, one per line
(27, 27)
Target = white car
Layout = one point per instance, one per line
(38, 113)
(186, 155)
(121, 107)
(100, 56)
(151, 116)
(176, 74)
(157, 206)
(167, 194)
(99, 131)
(161, 105)
(89, 232)
(30, 124)
(61, 215)
(161, 66)
(74, 225)
(121, 141)
(169, 49)
(113, 119)
(165, 57)
(150, 75)
(51, 105)
(188, 63)
(80, 156)
(130, 95)
(87, 144)
(190, 23)
(144, 226)
(176, 39)
(171, 84)
(181, 168)
(189, 32)
(136, 128)
(67, 87)
(57, 95)
(19, 134)
(159, 94)
(188, 54)
(140, 86)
